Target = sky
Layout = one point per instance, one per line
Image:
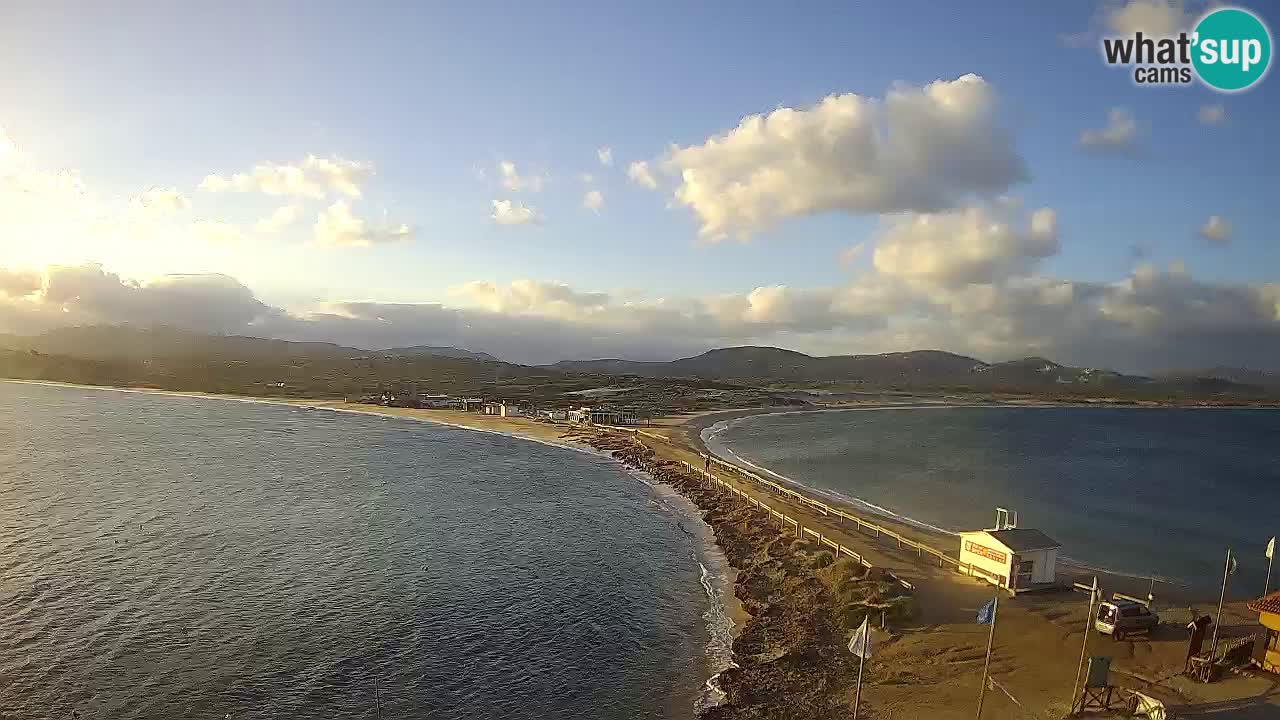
(549, 181)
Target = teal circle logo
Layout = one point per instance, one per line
(1231, 49)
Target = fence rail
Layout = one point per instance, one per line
(862, 525)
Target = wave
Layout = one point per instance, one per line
(710, 434)
(715, 576)
(708, 438)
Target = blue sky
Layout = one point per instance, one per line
(431, 95)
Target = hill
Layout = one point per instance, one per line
(451, 352)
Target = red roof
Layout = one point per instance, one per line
(1268, 604)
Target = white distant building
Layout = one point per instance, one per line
(1014, 558)
(502, 409)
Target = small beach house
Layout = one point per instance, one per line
(1018, 559)
(1268, 609)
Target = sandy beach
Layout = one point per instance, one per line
(796, 613)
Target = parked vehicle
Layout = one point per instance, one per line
(1119, 618)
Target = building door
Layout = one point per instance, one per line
(1024, 568)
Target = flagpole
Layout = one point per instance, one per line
(991, 638)
(857, 695)
(1213, 647)
(1084, 648)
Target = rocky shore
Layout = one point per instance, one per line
(803, 605)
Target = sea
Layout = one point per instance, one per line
(177, 557)
(1146, 492)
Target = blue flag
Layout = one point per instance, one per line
(987, 612)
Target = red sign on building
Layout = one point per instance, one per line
(986, 552)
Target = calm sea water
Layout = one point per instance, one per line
(1154, 492)
(167, 557)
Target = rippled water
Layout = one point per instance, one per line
(1157, 492)
(167, 557)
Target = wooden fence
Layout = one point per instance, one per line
(841, 516)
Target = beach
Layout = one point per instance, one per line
(930, 660)
(794, 617)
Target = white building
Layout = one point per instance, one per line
(502, 409)
(1014, 558)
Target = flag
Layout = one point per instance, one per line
(1232, 565)
(987, 612)
(860, 643)
(1271, 548)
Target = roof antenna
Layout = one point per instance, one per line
(1005, 520)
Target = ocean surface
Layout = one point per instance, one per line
(170, 557)
(1149, 492)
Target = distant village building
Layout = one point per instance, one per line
(557, 415)
(467, 404)
(1010, 557)
(502, 409)
(601, 416)
(426, 400)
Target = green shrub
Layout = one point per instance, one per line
(821, 560)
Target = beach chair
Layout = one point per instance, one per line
(1145, 706)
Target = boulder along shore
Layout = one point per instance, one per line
(803, 604)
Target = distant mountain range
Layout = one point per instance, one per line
(126, 342)
(915, 368)
(177, 351)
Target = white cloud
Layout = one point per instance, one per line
(18, 283)
(920, 148)
(641, 175)
(337, 226)
(281, 218)
(161, 200)
(593, 200)
(1120, 134)
(515, 182)
(1212, 114)
(1149, 320)
(1158, 18)
(1216, 230)
(314, 177)
(509, 212)
(605, 156)
(966, 246)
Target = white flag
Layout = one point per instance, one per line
(860, 643)
(1271, 548)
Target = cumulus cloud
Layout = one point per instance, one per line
(337, 226)
(918, 148)
(160, 200)
(641, 175)
(1152, 319)
(515, 182)
(511, 212)
(1159, 18)
(313, 177)
(966, 246)
(593, 200)
(281, 218)
(605, 156)
(1216, 230)
(1119, 135)
(1212, 114)
(17, 283)
(89, 295)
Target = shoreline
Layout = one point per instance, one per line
(1167, 590)
(792, 635)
